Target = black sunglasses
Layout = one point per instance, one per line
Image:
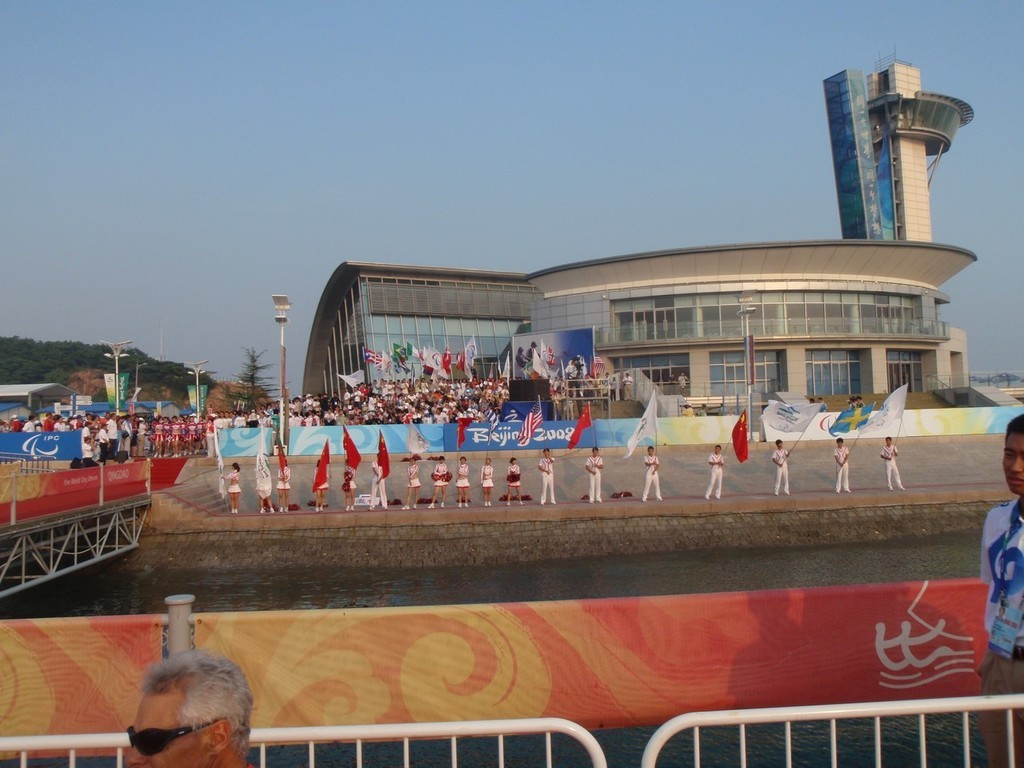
(152, 741)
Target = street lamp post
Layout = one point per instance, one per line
(117, 352)
(281, 307)
(746, 310)
(197, 368)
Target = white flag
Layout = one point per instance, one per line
(469, 355)
(539, 366)
(220, 461)
(415, 442)
(353, 379)
(891, 412)
(263, 480)
(790, 419)
(507, 368)
(648, 426)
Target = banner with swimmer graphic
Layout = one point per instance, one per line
(602, 663)
(607, 663)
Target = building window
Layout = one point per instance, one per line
(833, 372)
(904, 367)
(727, 378)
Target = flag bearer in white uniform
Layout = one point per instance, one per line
(892, 472)
(780, 458)
(1002, 553)
(651, 464)
(546, 465)
(595, 463)
(377, 490)
(717, 463)
(842, 457)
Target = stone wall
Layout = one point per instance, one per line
(479, 542)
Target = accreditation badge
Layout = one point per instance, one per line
(1004, 632)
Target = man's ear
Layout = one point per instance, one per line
(219, 736)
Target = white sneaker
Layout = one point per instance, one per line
(708, 495)
(404, 507)
(432, 506)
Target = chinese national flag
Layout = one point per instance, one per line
(383, 460)
(321, 468)
(582, 424)
(739, 438)
(352, 457)
(464, 422)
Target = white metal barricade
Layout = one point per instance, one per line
(403, 734)
(831, 714)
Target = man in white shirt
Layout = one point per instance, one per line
(546, 465)
(595, 463)
(892, 472)
(780, 458)
(651, 464)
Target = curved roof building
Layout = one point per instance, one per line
(828, 317)
(861, 314)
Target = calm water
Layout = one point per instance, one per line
(120, 589)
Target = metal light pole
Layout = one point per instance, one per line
(197, 368)
(117, 352)
(281, 307)
(746, 310)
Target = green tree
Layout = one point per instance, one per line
(253, 385)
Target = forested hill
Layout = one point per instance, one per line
(81, 367)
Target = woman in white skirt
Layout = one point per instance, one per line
(462, 482)
(414, 482)
(441, 477)
(513, 478)
(487, 480)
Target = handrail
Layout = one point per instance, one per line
(261, 738)
(829, 712)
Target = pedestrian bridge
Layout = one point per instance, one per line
(54, 522)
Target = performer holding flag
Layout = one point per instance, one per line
(322, 477)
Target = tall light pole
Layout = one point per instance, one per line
(197, 368)
(281, 307)
(117, 352)
(746, 310)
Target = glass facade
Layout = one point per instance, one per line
(833, 372)
(781, 313)
(727, 374)
(904, 367)
(661, 369)
(380, 312)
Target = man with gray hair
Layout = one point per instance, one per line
(195, 713)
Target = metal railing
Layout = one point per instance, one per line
(694, 722)
(401, 735)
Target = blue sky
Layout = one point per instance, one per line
(166, 167)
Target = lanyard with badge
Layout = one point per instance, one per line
(1008, 620)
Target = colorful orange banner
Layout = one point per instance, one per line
(77, 675)
(602, 663)
(607, 663)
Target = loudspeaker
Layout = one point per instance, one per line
(529, 389)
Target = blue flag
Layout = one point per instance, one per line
(850, 419)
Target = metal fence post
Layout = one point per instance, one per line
(179, 623)
(14, 498)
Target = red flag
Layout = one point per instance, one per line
(739, 437)
(321, 468)
(464, 422)
(446, 361)
(383, 460)
(282, 460)
(352, 457)
(577, 431)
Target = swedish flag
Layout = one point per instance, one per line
(850, 419)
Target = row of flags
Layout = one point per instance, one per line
(794, 419)
(398, 360)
